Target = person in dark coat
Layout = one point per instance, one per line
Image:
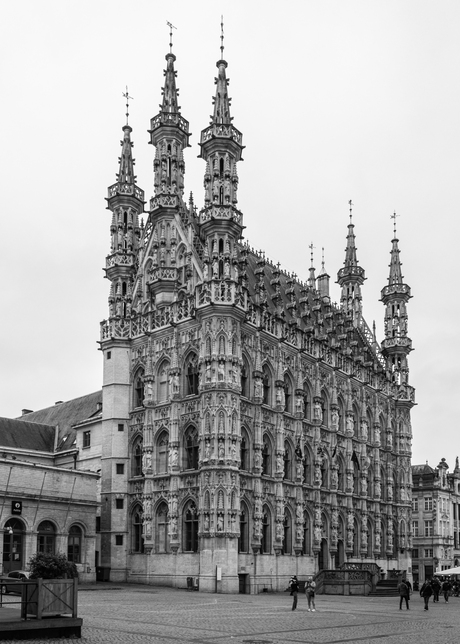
(426, 591)
(294, 586)
(436, 586)
(403, 590)
(446, 588)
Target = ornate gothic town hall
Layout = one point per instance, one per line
(250, 429)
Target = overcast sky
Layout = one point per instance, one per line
(337, 100)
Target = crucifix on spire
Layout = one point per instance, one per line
(393, 216)
(128, 98)
(222, 37)
(171, 27)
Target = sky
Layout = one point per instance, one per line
(336, 100)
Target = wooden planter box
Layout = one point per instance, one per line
(49, 597)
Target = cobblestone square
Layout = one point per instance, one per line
(138, 614)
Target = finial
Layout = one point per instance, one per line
(128, 97)
(350, 203)
(322, 258)
(311, 247)
(171, 27)
(393, 216)
(222, 37)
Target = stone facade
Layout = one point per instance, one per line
(251, 428)
(435, 519)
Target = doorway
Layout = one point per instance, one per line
(243, 580)
(13, 546)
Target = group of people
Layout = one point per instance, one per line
(435, 587)
(310, 587)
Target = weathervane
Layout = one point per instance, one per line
(393, 216)
(128, 97)
(171, 27)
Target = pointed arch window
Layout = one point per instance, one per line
(267, 386)
(244, 455)
(287, 533)
(163, 381)
(287, 461)
(162, 528)
(245, 379)
(192, 375)
(243, 539)
(137, 542)
(191, 449)
(355, 539)
(139, 389)
(306, 542)
(287, 395)
(136, 469)
(265, 544)
(266, 458)
(190, 528)
(307, 469)
(162, 453)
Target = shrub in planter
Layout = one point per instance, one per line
(48, 566)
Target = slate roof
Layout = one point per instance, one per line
(26, 435)
(65, 415)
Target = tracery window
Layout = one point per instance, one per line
(190, 528)
(192, 372)
(162, 528)
(265, 544)
(139, 389)
(191, 449)
(137, 542)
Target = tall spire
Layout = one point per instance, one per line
(221, 99)
(397, 345)
(351, 277)
(312, 278)
(126, 171)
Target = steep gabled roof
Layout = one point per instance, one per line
(65, 415)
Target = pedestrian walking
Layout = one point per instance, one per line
(294, 586)
(446, 588)
(310, 588)
(436, 586)
(426, 591)
(403, 590)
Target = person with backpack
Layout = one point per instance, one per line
(294, 587)
(426, 591)
(310, 588)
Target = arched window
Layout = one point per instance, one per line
(244, 453)
(306, 401)
(265, 544)
(162, 528)
(370, 483)
(287, 395)
(136, 469)
(287, 461)
(243, 539)
(139, 389)
(46, 539)
(137, 542)
(341, 476)
(162, 453)
(245, 390)
(190, 528)
(191, 449)
(13, 545)
(287, 533)
(163, 381)
(191, 375)
(325, 409)
(370, 539)
(74, 544)
(267, 384)
(266, 457)
(306, 543)
(355, 539)
(325, 472)
(355, 478)
(307, 469)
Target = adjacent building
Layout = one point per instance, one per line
(435, 519)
